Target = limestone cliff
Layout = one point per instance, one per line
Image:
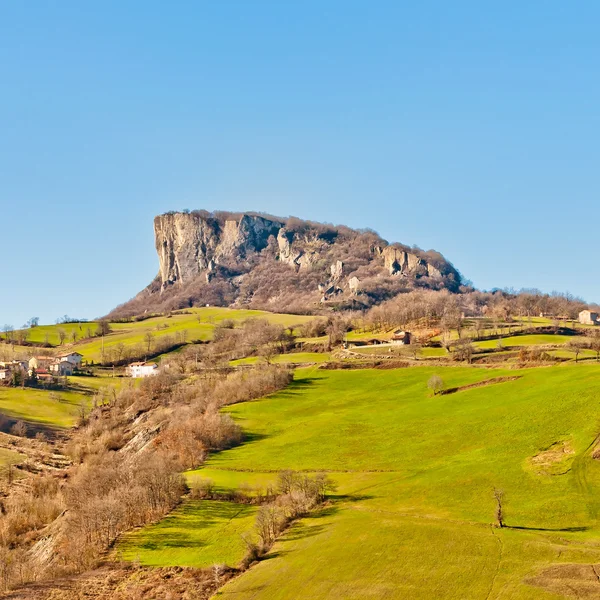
(190, 243)
(254, 260)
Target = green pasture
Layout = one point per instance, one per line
(526, 340)
(412, 514)
(199, 533)
(56, 408)
(197, 323)
(399, 351)
(39, 407)
(291, 358)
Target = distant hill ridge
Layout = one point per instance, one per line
(261, 261)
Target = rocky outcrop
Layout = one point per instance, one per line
(354, 284)
(337, 270)
(189, 244)
(397, 260)
(266, 262)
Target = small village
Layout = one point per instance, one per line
(48, 369)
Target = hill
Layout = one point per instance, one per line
(287, 265)
(413, 513)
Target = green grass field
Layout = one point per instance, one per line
(198, 324)
(40, 407)
(294, 358)
(199, 533)
(412, 515)
(526, 340)
(398, 351)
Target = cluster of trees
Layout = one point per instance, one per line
(447, 308)
(125, 470)
(297, 494)
(21, 337)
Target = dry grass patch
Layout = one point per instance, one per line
(570, 580)
(555, 460)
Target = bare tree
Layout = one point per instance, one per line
(463, 350)
(499, 497)
(435, 384)
(8, 333)
(594, 343)
(575, 346)
(120, 351)
(415, 349)
(62, 335)
(19, 429)
(103, 328)
(149, 339)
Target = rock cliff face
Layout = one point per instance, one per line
(280, 264)
(189, 243)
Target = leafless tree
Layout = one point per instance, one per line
(499, 497)
(19, 429)
(463, 350)
(575, 346)
(594, 343)
(120, 351)
(103, 328)
(62, 335)
(435, 384)
(149, 339)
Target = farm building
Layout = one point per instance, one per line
(142, 369)
(40, 362)
(588, 317)
(4, 373)
(73, 357)
(13, 364)
(401, 337)
(62, 367)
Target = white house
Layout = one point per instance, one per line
(62, 367)
(142, 369)
(4, 373)
(73, 357)
(588, 317)
(401, 337)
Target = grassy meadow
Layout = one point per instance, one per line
(55, 409)
(534, 339)
(292, 358)
(412, 516)
(197, 323)
(196, 534)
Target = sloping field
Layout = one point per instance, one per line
(413, 512)
(53, 409)
(533, 339)
(294, 358)
(197, 534)
(197, 323)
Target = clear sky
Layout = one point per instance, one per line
(468, 127)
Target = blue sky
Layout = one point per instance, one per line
(472, 128)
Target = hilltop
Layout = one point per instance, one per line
(264, 262)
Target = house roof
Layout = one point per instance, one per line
(143, 364)
(70, 354)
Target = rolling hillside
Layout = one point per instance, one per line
(413, 513)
